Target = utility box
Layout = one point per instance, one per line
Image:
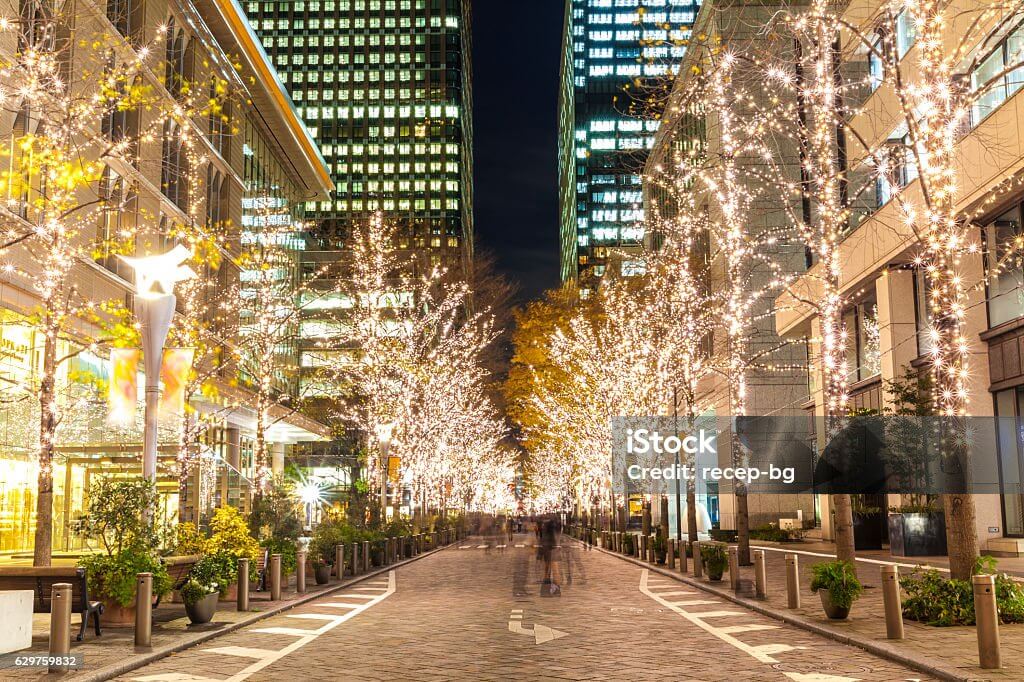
(16, 624)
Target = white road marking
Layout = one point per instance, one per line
(818, 677)
(693, 602)
(370, 589)
(716, 614)
(519, 544)
(540, 633)
(354, 596)
(466, 547)
(675, 593)
(753, 627)
(305, 637)
(244, 652)
(480, 546)
(339, 605)
(698, 620)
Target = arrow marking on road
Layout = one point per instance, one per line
(540, 633)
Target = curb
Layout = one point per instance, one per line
(885, 651)
(112, 671)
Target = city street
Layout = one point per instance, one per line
(474, 612)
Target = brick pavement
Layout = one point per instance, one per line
(952, 648)
(476, 614)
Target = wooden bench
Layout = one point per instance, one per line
(41, 581)
(178, 568)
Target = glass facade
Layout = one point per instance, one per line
(611, 48)
(384, 88)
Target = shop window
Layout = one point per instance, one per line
(863, 347)
(1009, 408)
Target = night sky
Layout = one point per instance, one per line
(516, 58)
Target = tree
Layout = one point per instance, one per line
(83, 108)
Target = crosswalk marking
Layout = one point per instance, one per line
(296, 632)
(753, 627)
(675, 593)
(715, 614)
(340, 605)
(242, 651)
(693, 602)
(354, 596)
(313, 616)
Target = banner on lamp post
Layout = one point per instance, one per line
(174, 373)
(123, 392)
(394, 468)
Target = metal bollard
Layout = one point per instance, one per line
(60, 624)
(339, 561)
(987, 617)
(760, 575)
(698, 561)
(643, 547)
(366, 556)
(300, 572)
(243, 584)
(356, 566)
(144, 609)
(275, 577)
(793, 581)
(734, 568)
(682, 555)
(891, 599)
(670, 555)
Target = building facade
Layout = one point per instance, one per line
(385, 88)
(258, 151)
(888, 318)
(616, 55)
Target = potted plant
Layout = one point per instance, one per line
(207, 580)
(229, 533)
(116, 519)
(837, 585)
(627, 544)
(660, 548)
(715, 557)
(322, 548)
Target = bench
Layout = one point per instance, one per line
(178, 568)
(41, 581)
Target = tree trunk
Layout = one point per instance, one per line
(742, 525)
(842, 508)
(664, 516)
(43, 547)
(691, 510)
(961, 540)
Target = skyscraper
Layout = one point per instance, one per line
(604, 137)
(385, 88)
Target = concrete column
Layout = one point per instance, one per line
(233, 446)
(277, 458)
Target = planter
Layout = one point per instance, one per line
(831, 610)
(867, 531)
(659, 556)
(117, 616)
(322, 574)
(203, 610)
(715, 576)
(917, 534)
(231, 594)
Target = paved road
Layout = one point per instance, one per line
(474, 612)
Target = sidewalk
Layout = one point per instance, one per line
(114, 652)
(949, 653)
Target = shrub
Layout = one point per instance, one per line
(933, 599)
(230, 533)
(188, 540)
(114, 575)
(286, 548)
(772, 533)
(193, 590)
(275, 514)
(839, 579)
(218, 571)
(327, 536)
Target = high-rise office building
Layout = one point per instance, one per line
(604, 136)
(385, 88)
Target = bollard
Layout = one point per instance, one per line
(275, 577)
(987, 618)
(60, 625)
(698, 562)
(144, 609)
(650, 550)
(366, 556)
(643, 547)
(891, 599)
(243, 584)
(392, 549)
(734, 568)
(682, 555)
(300, 572)
(670, 555)
(793, 581)
(339, 561)
(760, 575)
(356, 566)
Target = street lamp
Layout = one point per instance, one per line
(154, 308)
(383, 432)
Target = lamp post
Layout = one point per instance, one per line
(384, 440)
(154, 308)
